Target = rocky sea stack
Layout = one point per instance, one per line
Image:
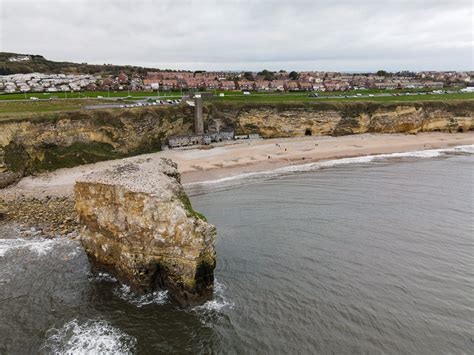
(139, 226)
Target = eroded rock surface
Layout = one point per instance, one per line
(139, 225)
(337, 119)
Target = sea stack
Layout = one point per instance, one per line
(138, 225)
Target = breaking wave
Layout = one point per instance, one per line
(244, 178)
(101, 277)
(39, 246)
(90, 337)
(157, 297)
(212, 311)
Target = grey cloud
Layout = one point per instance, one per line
(247, 34)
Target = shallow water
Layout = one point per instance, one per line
(370, 257)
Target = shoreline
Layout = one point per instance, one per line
(245, 157)
(43, 205)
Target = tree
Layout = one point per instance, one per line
(382, 73)
(294, 75)
(248, 75)
(267, 75)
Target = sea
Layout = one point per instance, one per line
(369, 255)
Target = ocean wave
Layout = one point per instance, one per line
(212, 311)
(101, 277)
(90, 337)
(428, 153)
(157, 297)
(467, 149)
(39, 246)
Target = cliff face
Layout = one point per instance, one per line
(75, 138)
(140, 226)
(290, 120)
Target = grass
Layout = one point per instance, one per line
(76, 95)
(189, 209)
(74, 155)
(13, 110)
(304, 98)
(89, 95)
(19, 109)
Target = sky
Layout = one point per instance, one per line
(338, 35)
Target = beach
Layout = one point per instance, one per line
(242, 157)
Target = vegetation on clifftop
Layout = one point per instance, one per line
(39, 64)
(189, 208)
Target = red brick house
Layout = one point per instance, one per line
(227, 85)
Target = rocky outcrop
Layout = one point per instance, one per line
(139, 225)
(297, 119)
(73, 138)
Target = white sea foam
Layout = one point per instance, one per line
(468, 149)
(211, 311)
(429, 153)
(101, 277)
(157, 297)
(90, 337)
(78, 250)
(39, 246)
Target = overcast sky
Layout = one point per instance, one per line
(350, 35)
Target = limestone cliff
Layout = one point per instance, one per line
(69, 139)
(324, 118)
(139, 226)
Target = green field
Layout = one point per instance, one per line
(24, 109)
(77, 95)
(304, 98)
(19, 109)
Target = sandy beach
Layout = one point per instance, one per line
(211, 163)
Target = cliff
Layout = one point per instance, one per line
(139, 225)
(53, 141)
(343, 118)
(48, 142)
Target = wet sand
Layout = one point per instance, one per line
(242, 157)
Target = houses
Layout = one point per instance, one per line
(122, 78)
(262, 85)
(386, 85)
(336, 85)
(169, 84)
(185, 140)
(211, 84)
(191, 83)
(305, 86)
(224, 134)
(229, 81)
(245, 85)
(292, 85)
(277, 85)
(434, 84)
(227, 85)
